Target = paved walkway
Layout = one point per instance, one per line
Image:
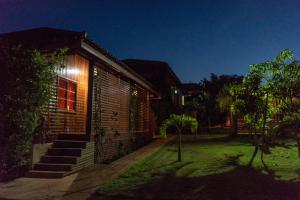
(76, 186)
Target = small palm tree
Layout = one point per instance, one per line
(180, 122)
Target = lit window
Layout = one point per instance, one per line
(66, 95)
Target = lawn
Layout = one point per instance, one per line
(213, 167)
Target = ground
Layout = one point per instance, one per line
(81, 185)
(213, 167)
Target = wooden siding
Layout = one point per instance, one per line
(115, 95)
(152, 122)
(142, 117)
(63, 121)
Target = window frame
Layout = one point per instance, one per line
(67, 99)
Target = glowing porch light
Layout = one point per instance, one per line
(73, 71)
(134, 93)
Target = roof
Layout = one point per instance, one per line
(45, 38)
(153, 71)
(191, 87)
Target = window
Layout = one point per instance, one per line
(66, 95)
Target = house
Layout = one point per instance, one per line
(161, 75)
(94, 92)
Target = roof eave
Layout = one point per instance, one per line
(120, 67)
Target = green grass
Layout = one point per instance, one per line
(210, 157)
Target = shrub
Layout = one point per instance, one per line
(28, 76)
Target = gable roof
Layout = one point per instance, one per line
(153, 71)
(47, 39)
(195, 87)
(191, 88)
(43, 38)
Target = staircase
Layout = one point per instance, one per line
(68, 154)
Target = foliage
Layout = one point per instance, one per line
(227, 101)
(28, 77)
(224, 100)
(270, 91)
(192, 107)
(208, 110)
(180, 122)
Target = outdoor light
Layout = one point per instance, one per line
(68, 71)
(73, 71)
(134, 92)
(175, 91)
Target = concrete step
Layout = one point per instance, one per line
(80, 137)
(69, 144)
(45, 174)
(64, 152)
(52, 167)
(69, 153)
(59, 159)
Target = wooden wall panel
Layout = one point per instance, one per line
(124, 106)
(115, 98)
(142, 117)
(63, 121)
(115, 94)
(152, 122)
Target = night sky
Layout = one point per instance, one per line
(196, 37)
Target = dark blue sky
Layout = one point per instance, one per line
(196, 37)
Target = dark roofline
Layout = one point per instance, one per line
(42, 28)
(168, 67)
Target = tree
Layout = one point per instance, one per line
(180, 122)
(28, 76)
(225, 99)
(210, 89)
(270, 92)
(285, 86)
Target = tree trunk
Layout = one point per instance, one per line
(208, 122)
(253, 155)
(263, 142)
(262, 160)
(234, 125)
(179, 146)
(298, 143)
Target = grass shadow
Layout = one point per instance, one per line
(215, 140)
(240, 183)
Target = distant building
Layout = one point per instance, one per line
(164, 81)
(190, 90)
